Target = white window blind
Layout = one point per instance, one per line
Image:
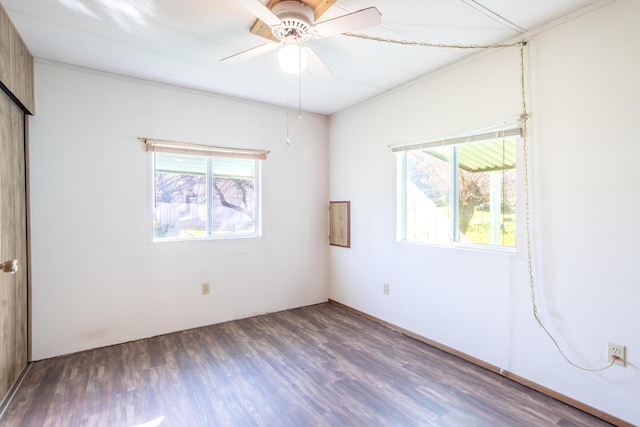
(162, 146)
(504, 133)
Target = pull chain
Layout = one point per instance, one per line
(288, 83)
(299, 82)
(287, 140)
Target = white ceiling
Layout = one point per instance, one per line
(181, 42)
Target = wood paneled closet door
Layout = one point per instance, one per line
(13, 244)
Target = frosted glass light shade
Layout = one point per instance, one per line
(293, 58)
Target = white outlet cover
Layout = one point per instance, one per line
(617, 350)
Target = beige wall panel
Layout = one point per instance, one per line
(5, 47)
(22, 83)
(13, 244)
(20, 230)
(16, 63)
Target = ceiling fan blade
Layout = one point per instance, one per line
(317, 66)
(364, 18)
(250, 53)
(260, 11)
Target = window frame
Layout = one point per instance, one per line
(503, 131)
(209, 153)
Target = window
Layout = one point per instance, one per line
(459, 190)
(198, 194)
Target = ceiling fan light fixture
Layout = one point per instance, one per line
(293, 58)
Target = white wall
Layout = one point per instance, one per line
(97, 277)
(584, 100)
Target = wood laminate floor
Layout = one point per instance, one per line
(315, 366)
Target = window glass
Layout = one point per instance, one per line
(487, 193)
(460, 193)
(233, 196)
(201, 196)
(428, 186)
(180, 196)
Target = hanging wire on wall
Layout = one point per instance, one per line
(524, 117)
(299, 81)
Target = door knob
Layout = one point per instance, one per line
(10, 266)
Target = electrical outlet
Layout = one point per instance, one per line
(385, 289)
(619, 351)
(205, 288)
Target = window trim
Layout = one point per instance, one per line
(510, 129)
(154, 146)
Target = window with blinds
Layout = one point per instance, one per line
(459, 190)
(205, 192)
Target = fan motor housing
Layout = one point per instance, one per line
(296, 20)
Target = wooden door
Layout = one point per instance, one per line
(13, 244)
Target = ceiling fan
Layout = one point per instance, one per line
(292, 23)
